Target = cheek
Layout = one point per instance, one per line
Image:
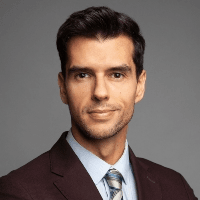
(129, 100)
(126, 95)
(77, 95)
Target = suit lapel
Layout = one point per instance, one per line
(147, 185)
(72, 179)
(74, 182)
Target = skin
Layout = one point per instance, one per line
(101, 89)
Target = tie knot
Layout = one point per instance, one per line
(114, 179)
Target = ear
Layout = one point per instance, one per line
(61, 83)
(140, 86)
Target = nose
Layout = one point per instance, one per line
(100, 91)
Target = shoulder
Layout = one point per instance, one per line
(16, 184)
(31, 169)
(163, 174)
(168, 178)
(159, 169)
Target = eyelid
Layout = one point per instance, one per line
(78, 73)
(111, 75)
(122, 74)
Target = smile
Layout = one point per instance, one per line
(101, 115)
(100, 111)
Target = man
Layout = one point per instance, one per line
(101, 53)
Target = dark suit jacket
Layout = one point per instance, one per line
(59, 175)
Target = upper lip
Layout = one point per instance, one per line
(100, 111)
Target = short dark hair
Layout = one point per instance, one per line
(104, 22)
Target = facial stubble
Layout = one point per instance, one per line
(91, 133)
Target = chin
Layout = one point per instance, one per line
(100, 131)
(99, 135)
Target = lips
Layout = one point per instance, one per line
(100, 111)
(101, 115)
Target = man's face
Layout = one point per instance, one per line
(101, 86)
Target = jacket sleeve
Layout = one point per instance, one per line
(11, 190)
(189, 190)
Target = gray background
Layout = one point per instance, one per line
(166, 124)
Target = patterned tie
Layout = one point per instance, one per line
(114, 180)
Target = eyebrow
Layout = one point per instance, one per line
(78, 69)
(120, 68)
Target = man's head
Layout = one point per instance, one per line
(100, 22)
(102, 81)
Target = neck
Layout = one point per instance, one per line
(110, 149)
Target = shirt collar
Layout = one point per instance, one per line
(123, 164)
(92, 162)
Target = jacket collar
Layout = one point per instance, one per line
(74, 182)
(147, 184)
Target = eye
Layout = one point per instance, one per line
(117, 75)
(82, 75)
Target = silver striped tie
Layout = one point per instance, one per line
(114, 180)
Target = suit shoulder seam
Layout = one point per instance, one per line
(184, 186)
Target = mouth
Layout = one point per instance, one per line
(101, 115)
(100, 111)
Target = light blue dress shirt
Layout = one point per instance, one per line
(97, 168)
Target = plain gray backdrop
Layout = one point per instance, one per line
(166, 123)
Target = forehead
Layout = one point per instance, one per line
(100, 52)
